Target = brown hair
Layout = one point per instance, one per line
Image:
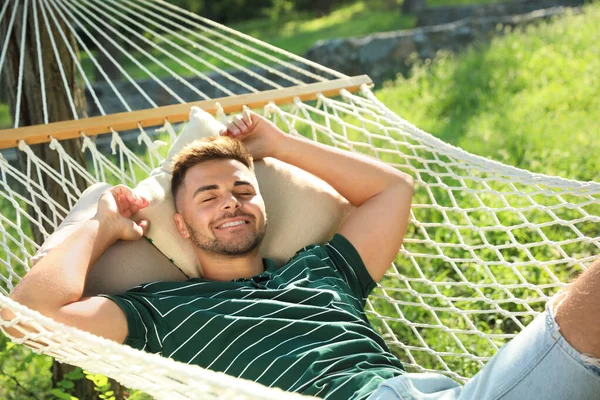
(206, 149)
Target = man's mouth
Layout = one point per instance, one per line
(230, 224)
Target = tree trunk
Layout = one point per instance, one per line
(413, 6)
(31, 113)
(3, 94)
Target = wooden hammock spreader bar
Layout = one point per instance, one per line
(174, 113)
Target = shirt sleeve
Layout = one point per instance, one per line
(350, 266)
(142, 330)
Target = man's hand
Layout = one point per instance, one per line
(260, 136)
(115, 208)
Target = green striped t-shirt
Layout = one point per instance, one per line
(300, 327)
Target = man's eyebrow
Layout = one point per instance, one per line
(213, 187)
(242, 183)
(204, 189)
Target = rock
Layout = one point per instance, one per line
(383, 55)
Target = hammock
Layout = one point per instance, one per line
(487, 244)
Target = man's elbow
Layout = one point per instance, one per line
(404, 181)
(12, 331)
(15, 325)
(33, 294)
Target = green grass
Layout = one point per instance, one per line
(529, 99)
(299, 34)
(296, 34)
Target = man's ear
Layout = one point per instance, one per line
(181, 227)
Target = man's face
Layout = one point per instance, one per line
(221, 209)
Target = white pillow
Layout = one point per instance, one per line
(302, 210)
(116, 270)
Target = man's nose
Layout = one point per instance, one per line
(231, 202)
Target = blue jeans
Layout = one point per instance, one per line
(537, 364)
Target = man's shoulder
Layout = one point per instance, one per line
(337, 243)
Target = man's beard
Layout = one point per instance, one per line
(217, 246)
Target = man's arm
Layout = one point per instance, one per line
(381, 193)
(55, 286)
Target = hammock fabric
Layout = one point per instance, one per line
(487, 244)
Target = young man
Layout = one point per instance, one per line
(300, 327)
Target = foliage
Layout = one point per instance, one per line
(528, 99)
(195, 6)
(5, 119)
(23, 374)
(101, 385)
(293, 25)
(26, 375)
(235, 11)
(295, 32)
(280, 9)
(231, 11)
(62, 388)
(445, 3)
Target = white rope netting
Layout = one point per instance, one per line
(487, 244)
